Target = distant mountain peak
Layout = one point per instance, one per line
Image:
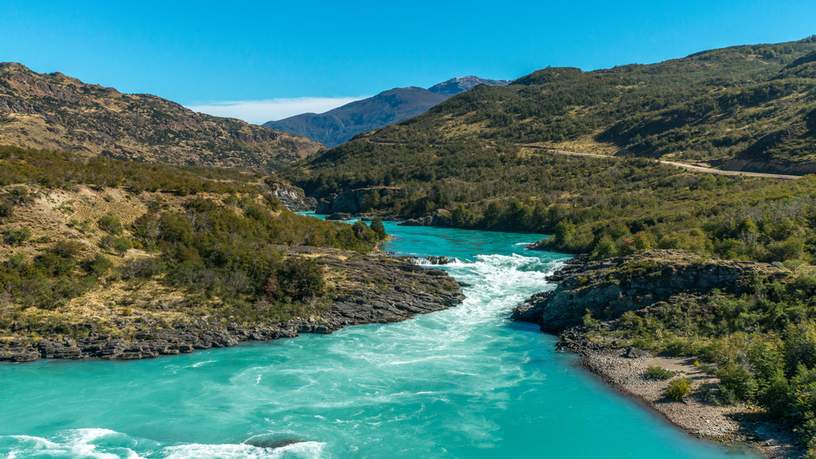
(388, 107)
(464, 83)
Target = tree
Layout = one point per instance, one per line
(378, 227)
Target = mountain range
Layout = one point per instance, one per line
(54, 111)
(388, 107)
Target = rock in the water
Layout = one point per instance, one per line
(338, 216)
(440, 260)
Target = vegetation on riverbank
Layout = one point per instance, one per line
(760, 344)
(599, 206)
(481, 160)
(98, 246)
(750, 325)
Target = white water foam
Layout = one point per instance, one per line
(70, 443)
(304, 450)
(82, 443)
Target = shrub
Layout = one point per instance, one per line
(800, 346)
(655, 373)
(6, 208)
(738, 380)
(110, 224)
(296, 280)
(16, 236)
(717, 394)
(119, 245)
(776, 398)
(803, 400)
(678, 389)
(97, 266)
(588, 321)
(59, 259)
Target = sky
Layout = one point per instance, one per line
(267, 60)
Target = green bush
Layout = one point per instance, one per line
(738, 380)
(49, 280)
(6, 208)
(296, 280)
(800, 347)
(678, 389)
(118, 245)
(717, 394)
(110, 224)
(16, 236)
(99, 265)
(655, 373)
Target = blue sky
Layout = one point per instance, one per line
(308, 55)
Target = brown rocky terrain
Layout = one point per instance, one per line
(57, 112)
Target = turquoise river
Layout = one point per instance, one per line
(461, 383)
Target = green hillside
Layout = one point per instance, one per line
(481, 159)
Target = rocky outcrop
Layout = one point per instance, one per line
(440, 217)
(372, 289)
(608, 288)
(290, 195)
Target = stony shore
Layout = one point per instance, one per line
(371, 289)
(740, 426)
(606, 289)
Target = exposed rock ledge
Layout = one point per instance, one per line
(607, 289)
(375, 289)
(291, 196)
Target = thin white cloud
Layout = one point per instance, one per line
(261, 111)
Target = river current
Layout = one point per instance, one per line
(461, 383)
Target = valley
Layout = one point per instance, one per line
(656, 220)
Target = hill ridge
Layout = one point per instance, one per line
(59, 112)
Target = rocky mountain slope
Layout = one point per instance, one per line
(54, 111)
(388, 107)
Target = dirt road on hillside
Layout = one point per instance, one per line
(687, 166)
